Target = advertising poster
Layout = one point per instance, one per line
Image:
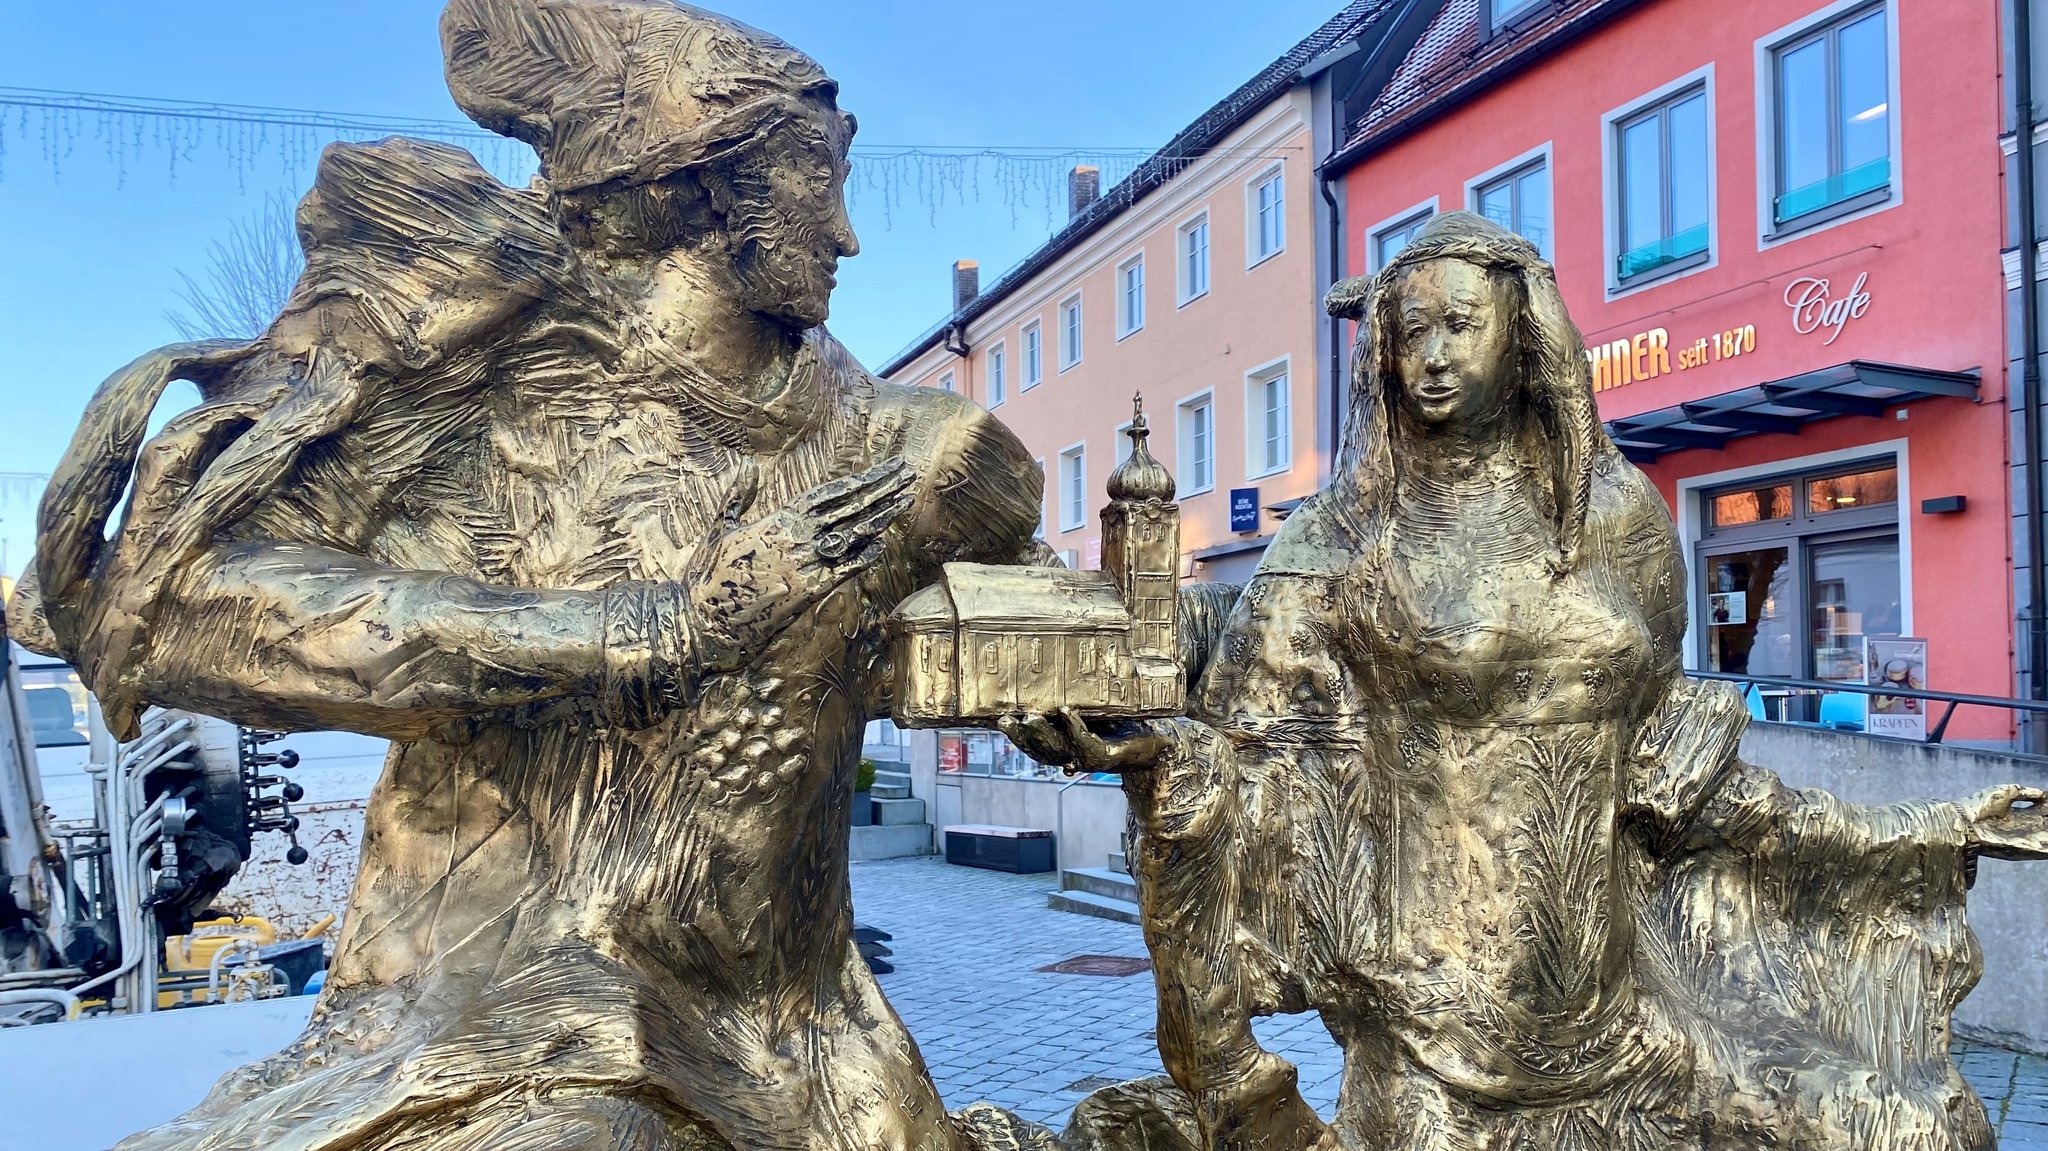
(952, 753)
(1900, 662)
(1728, 608)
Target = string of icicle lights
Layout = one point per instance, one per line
(133, 131)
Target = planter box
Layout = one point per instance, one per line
(1024, 850)
(863, 809)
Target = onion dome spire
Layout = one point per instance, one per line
(1140, 477)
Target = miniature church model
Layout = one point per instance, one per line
(988, 641)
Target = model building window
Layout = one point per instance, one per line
(1197, 443)
(1388, 241)
(1034, 355)
(1833, 106)
(1268, 215)
(1520, 202)
(1130, 296)
(1070, 332)
(1267, 420)
(998, 376)
(1073, 487)
(1663, 186)
(1194, 259)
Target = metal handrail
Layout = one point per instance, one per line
(1953, 699)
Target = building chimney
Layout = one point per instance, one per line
(1084, 187)
(966, 283)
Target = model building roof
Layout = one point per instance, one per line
(1018, 599)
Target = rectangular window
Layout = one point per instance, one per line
(946, 382)
(1662, 168)
(1070, 332)
(1040, 531)
(1197, 442)
(1267, 421)
(1034, 354)
(1269, 215)
(1388, 241)
(1073, 487)
(1520, 202)
(1832, 102)
(1194, 259)
(1130, 296)
(1503, 11)
(1123, 441)
(998, 376)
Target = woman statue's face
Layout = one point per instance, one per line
(1454, 347)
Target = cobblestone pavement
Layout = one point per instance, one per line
(968, 944)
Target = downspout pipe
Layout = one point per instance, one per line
(1339, 389)
(2030, 350)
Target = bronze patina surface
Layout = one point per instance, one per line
(567, 490)
(1444, 782)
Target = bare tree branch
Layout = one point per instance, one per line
(248, 277)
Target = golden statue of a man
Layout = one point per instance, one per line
(566, 491)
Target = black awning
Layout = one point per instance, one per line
(1857, 388)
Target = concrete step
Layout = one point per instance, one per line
(889, 790)
(1089, 903)
(1118, 863)
(1100, 881)
(893, 842)
(889, 774)
(898, 812)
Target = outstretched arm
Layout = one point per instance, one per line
(296, 636)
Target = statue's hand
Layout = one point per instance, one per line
(2009, 822)
(763, 576)
(1068, 741)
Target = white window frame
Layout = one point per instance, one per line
(947, 383)
(1123, 442)
(1516, 11)
(1184, 294)
(1078, 451)
(998, 371)
(1070, 350)
(1534, 157)
(1044, 490)
(1029, 378)
(1253, 235)
(1400, 221)
(1690, 528)
(1130, 321)
(1768, 233)
(1255, 465)
(1184, 442)
(1610, 185)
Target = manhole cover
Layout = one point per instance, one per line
(1099, 965)
(1092, 1083)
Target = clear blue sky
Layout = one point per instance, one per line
(89, 258)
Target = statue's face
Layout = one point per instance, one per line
(1454, 346)
(788, 225)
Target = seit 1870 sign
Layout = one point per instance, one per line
(1816, 306)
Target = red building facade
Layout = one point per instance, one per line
(1778, 223)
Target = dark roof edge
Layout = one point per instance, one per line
(1428, 111)
(1154, 172)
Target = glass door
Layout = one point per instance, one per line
(1749, 612)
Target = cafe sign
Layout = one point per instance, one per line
(1818, 304)
(1816, 307)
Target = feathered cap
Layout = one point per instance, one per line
(622, 90)
(1554, 368)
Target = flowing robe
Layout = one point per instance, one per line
(1510, 855)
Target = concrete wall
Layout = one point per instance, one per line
(1089, 818)
(2009, 905)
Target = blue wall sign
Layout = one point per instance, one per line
(1244, 509)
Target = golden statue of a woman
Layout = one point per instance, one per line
(567, 491)
(1445, 783)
